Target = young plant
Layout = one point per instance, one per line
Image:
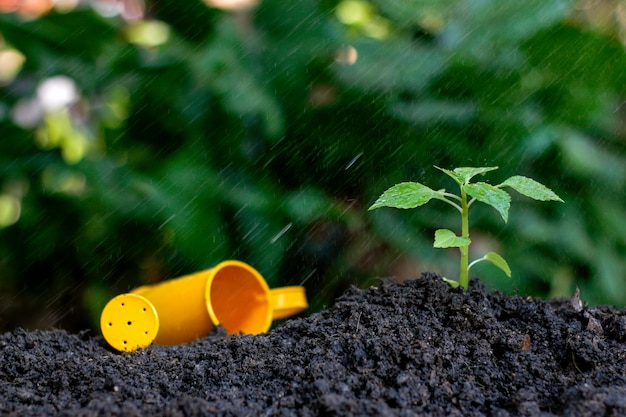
(408, 195)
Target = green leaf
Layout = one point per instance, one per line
(506, 23)
(468, 173)
(488, 194)
(531, 188)
(431, 112)
(307, 204)
(445, 238)
(406, 195)
(407, 12)
(385, 66)
(465, 174)
(456, 177)
(498, 261)
(452, 283)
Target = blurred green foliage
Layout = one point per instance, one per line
(199, 134)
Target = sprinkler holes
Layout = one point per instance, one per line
(129, 323)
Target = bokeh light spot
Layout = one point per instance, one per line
(148, 33)
(354, 12)
(56, 93)
(11, 61)
(347, 55)
(232, 5)
(10, 208)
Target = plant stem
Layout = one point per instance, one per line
(464, 269)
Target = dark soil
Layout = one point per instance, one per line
(412, 349)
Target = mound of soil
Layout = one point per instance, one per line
(416, 348)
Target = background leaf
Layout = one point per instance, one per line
(265, 134)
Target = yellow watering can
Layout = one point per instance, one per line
(183, 309)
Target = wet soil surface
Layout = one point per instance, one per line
(413, 349)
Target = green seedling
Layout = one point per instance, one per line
(408, 195)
